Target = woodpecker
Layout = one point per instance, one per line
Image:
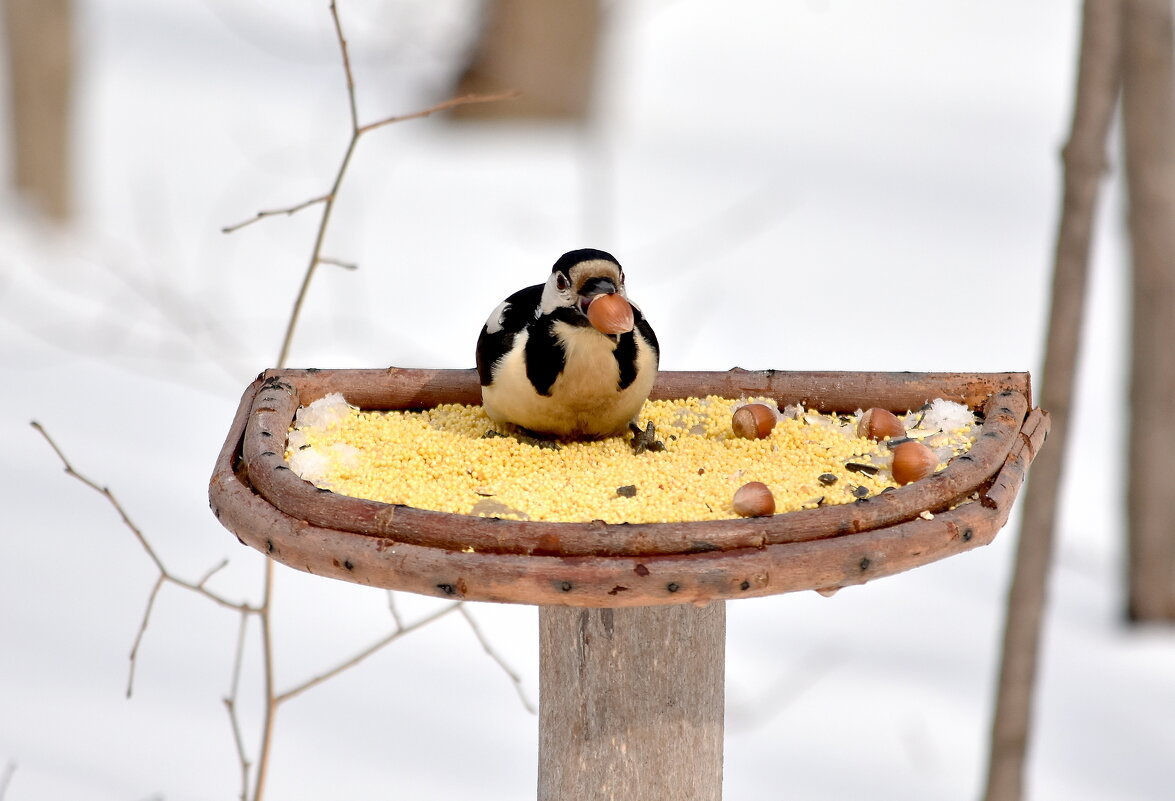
(552, 367)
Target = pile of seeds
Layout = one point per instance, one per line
(454, 459)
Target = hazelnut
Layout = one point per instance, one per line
(913, 461)
(754, 499)
(610, 314)
(877, 424)
(753, 421)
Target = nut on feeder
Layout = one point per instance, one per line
(753, 421)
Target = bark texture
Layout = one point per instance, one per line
(631, 703)
(1148, 111)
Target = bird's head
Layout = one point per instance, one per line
(590, 283)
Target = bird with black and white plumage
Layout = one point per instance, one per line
(547, 368)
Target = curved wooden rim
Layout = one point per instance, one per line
(616, 580)
(279, 395)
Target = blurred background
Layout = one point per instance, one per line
(798, 185)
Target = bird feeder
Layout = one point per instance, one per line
(632, 616)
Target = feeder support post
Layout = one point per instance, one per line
(631, 702)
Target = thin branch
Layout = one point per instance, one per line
(485, 644)
(395, 612)
(357, 131)
(238, 658)
(267, 669)
(230, 703)
(164, 574)
(344, 51)
(346, 265)
(212, 572)
(288, 211)
(230, 706)
(130, 681)
(110, 497)
(464, 100)
(371, 649)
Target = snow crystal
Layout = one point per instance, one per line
(945, 415)
(324, 411)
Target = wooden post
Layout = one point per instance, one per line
(1148, 123)
(631, 703)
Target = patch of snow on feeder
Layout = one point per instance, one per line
(317, 464)
(945, 415)
(323, 412)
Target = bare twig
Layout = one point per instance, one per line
(267, 673)
(328, 207)
(395, 612)
(485, 644)
(238, 658)
(130, 679)
(346, 265)
(165, 575)
(230, 703)
(328, 199)
(1098, 81)
(464, 100)
(345, 52)
(212, 572)
(230, 706)
(197, 587)
(288, 211)
(399, 632)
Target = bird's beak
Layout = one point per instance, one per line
(592, 289)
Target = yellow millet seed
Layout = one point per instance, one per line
(441, 459)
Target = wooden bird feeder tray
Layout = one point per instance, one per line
(257, 497)
(632, 619)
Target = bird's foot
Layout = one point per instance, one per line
(525, 437)
(645, 440)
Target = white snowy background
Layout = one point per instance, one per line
(798, 185)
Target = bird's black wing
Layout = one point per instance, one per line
(626, 348)
(518, 312)
(545, 357)
(646, 330)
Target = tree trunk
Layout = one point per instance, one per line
(40, 62)
(1098, 79)
(547, 50)
(631, 703)
(1148, 106)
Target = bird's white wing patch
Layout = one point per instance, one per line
(497, 318)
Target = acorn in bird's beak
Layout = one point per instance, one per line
(608, 312)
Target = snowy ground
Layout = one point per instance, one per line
(800, 185)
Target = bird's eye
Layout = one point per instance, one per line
(561, 282)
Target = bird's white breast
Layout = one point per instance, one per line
(584, 400)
